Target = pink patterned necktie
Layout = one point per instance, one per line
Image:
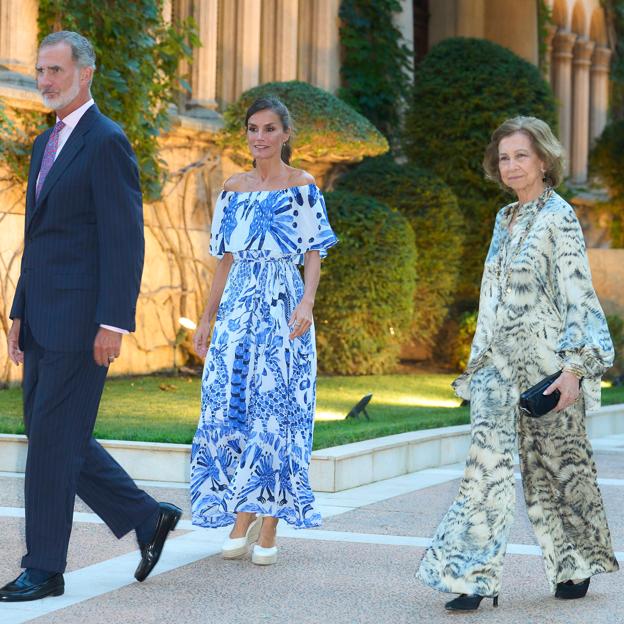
(48, 156)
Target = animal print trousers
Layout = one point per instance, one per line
(560, 489)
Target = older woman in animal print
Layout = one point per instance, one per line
(538, 314)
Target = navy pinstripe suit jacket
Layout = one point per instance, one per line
(84, 245)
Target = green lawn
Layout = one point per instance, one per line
(165, 409)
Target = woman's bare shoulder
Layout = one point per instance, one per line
(237, 183)
(299, 177)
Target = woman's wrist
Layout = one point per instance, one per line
(574, 370)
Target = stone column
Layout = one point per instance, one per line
(167, 10)
(404, 21)
(248, 44)
(326, 45)
(305, 40)
(268, 37)
(514, 26)
(226, 78)
(18, 35)
(204, 69)
(286, 39)
(442, 21)
(470, 18)
(548, 42)
(599, 102)
(563, 43)
(278, 47)
(580, 112)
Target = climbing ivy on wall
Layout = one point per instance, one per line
(375, 62)
(138, 55)
(17, 130)
(544, 22)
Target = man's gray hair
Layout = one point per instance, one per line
(82, 50)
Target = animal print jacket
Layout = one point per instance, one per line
(538, 311)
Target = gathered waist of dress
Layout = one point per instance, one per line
(263, 255)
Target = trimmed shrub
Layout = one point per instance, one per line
(455, 340)
(464, 88)
(431, 208)
(364, 304)
(607, 158)
(616, 329)
(326, 128)
(607, 161)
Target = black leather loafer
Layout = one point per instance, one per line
(150, 552)
(23, 589)
(570, 591)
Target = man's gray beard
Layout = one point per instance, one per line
(62, 102)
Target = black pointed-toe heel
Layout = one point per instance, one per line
(568, 590)
(466, 602)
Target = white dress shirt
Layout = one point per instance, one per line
(71, 121)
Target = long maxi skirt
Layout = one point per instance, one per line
(560, 489)
(253, 444)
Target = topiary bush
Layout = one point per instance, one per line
(326, 128)
(616, 329)
(431, 208)
(455, 340)
(607, 161)
(607, 157)
(464, 88)
(363, 307)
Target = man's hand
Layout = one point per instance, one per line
(106, 347)
(16, 355)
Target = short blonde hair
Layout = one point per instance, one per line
(544, 142)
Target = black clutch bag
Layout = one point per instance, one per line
(534, 403)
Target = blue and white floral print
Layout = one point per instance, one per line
(253, 445)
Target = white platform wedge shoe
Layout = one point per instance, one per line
(236, 547)
(264, 556)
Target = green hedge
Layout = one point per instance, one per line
(607, 157)
(455, 339)
(325, 127)
(431, 208)
(363, 306)
(616, 328)
(464, 88)
(607, 161)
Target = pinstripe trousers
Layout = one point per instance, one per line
(560, 489)
(62, 392)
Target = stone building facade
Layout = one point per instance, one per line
(247, 42)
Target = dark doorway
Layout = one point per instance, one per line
(421, 30)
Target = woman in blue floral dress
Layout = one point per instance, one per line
(253, 444)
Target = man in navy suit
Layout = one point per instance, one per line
(75, 299)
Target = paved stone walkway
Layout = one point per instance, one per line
(358, 569)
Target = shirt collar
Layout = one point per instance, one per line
(529, 207)
(72, 119)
